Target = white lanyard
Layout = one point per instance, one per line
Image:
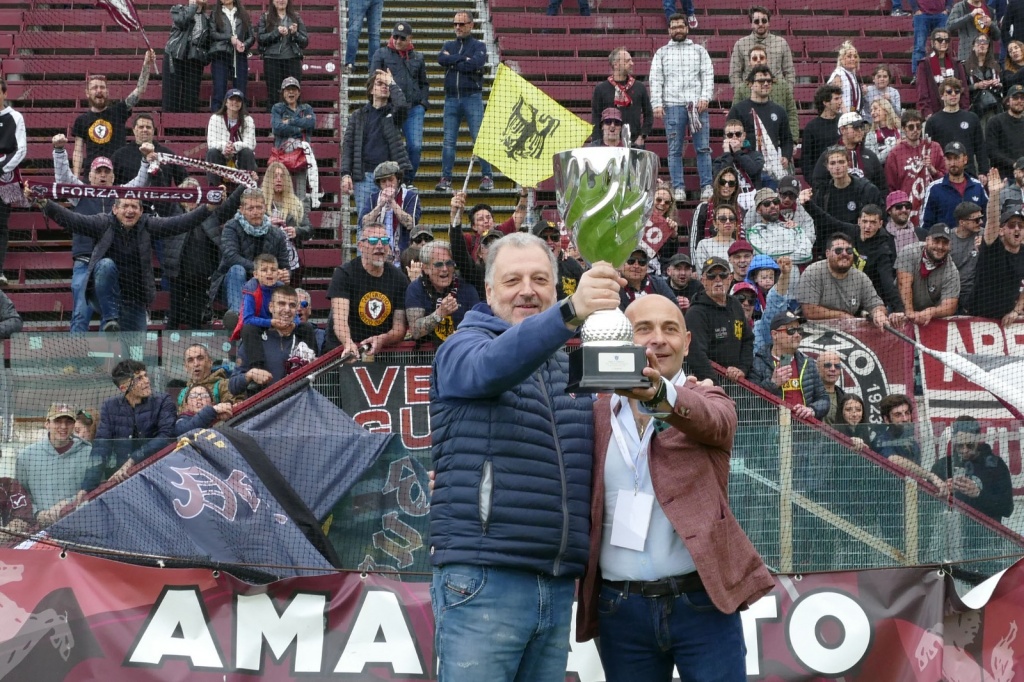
(635, 462)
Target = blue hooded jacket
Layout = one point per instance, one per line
(511, 447)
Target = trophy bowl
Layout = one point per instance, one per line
(605, 198)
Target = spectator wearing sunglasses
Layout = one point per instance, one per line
(719, 330)
(773, 236)
(788, 374)
(912, 165)
(611, 129)
(725, 226)
(933, 70)
(569, 269)
(639, 281)
(739, 154)
(408, 66)
(954, 123)
(778, 148)
(780, 56)
(833, 289)
(830, 369)
(367, 298)
(781, 92)
(437, 300)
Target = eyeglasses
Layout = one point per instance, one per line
(764, 81)
(831, 365)
(637, 261)
(941, 40)
(734, 134)
(712, 276)
(913, 126)
(373, 241)
(839, 250)
(792, 331)
(551, 237)
(611, 122)
(770, 202)
(760, 22)
(462, 23)
(444, 263)
(952, 91)
(903, 207)
(725, 218)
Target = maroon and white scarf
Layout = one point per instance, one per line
(622, 97)
(182, 195)
(239, 177)
(940, 73)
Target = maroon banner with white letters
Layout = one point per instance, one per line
(73, 617)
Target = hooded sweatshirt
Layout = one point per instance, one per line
(718, 333)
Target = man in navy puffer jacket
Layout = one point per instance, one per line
(512, 451)
(135, 424)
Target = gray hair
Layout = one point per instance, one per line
(302, 293)
(519, 240)
(427, 250)
(253, 193)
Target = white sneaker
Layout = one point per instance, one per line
(679, 194)
(705, 193)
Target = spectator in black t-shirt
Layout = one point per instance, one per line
(127, 159)
(955, 124)
(436, 302)
(1000, 268)
(367, 298)
(837, 203)
(101, 130)
(823, 131)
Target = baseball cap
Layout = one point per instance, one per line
(60, 410)
(763, 194)
(679, 259)
(491, 234)
(101, 162)
(896, 197)
(784, 318)
(955, 148)
(940, 230)
(542, 226)
(1015, 89)
(611, 114)
(1011, 213)
(420, 230)
(403, 29)
(290, 82)
(740, 245)
(715, 262)
(789, 184)
(234, 92)
(851, 118)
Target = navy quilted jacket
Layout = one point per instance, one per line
(136, 432)
(511, 448)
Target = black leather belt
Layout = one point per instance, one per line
(666, 587)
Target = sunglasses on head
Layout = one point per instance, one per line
(373, 241)
(444, 263)
(637, 261)
(770, 202)
(551, 237)
(840, 250)
(717, 275)
(727, 183)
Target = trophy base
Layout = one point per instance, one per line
(603, 369)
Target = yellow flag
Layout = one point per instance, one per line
(523, 129)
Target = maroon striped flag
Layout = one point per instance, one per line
(124, 15)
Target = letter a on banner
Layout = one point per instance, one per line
(523, 128)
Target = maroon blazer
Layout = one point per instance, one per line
(689, 464)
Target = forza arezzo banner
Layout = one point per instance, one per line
(73, 617)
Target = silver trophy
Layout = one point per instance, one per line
(605, 197)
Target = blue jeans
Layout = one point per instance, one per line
(499, 624)
(234, 66)
(670, 7)
(234, 280)
(82, 311)
(412, 129)
(924, 24)
(106, 286)
(372, 11)
(677, 120)
(456, 108)
(643, 638)
(361, 193)
(555, 5)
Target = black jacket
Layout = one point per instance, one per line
(202, 243)
(719, 333)
(990, 472)
(874, 171)
(220, 40)
(133, 432)
(239, 248)
(273, 45)
(180, 44)
(829, 216)
(877, 260)
(10, 320)
(105, 227)
(352, 149)
(410, 74)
